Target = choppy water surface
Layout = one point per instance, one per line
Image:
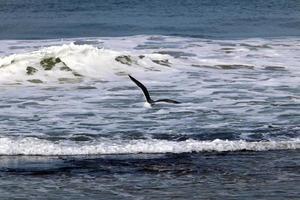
(82, 124)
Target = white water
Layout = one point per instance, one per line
(34, 146)
(236, 89)
(97, 58)
(89, 61)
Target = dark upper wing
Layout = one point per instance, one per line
(145, 91)
(168, 101)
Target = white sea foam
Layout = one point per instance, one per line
(86, 60)
(34, 146)
(248, 86)
(98, 60)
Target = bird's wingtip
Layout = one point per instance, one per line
(133, 79)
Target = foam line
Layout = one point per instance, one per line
(34, 146)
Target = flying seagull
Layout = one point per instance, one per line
(147, 95)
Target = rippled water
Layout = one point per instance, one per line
(242, 89)
(92, 135)
(248, 175)
(33, 19)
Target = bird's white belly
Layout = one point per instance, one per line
(147, 105)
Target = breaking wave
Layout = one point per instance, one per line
(44, 61)
(71, 62)
(34, 146)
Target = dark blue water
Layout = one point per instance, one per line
(242, 175)
(34, 19)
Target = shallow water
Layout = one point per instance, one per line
(91, 136)
(247, 175)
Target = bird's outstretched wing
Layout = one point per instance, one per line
(168, 101)
(144, 89)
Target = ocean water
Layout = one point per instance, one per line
(74, 126)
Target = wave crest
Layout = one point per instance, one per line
(34, 146)
(70, 61)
